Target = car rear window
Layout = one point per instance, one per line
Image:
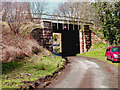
(115, 49)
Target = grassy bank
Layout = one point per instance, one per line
(29, 69)
(98, 51)
(23, 59)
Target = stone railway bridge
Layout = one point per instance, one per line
(75, 37)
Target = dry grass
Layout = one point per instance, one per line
(18, 49)
(16, 46)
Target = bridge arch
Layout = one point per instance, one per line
(75, 39)
(43, 37)
(37, 34)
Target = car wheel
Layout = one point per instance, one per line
(112, 60)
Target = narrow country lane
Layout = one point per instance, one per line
(84, 73)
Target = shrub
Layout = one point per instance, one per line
(21, 49)
(17, 46)
(27, 27)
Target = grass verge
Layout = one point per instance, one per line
(29, 69)
(98, 51)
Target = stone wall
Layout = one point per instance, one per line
(95, 39)
(85, 39)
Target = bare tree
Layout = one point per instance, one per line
(28, 16)
(14, 14)
(82, 10)
(0, 10)
(38, 7)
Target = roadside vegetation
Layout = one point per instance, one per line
(109, 20)
(17, 45)
(23, 60)
(98, 51)
(57, 49)
(56, 39)
(29, 69)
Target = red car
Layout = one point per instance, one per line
(113, 53)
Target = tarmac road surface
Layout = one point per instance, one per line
(86, 73)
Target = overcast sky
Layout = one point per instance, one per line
(51, 6)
